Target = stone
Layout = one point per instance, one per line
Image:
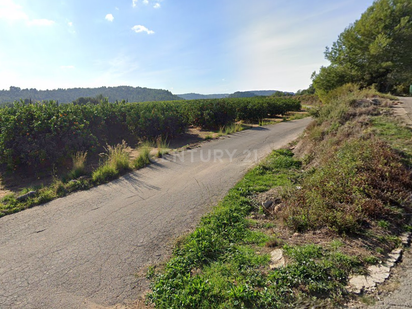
(278, 208)
(375, 102)
(276, 259)
(358, 283)
(406, 239)
(394, 257)
(267, 204)
(24, 197)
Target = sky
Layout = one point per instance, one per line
(201, 46)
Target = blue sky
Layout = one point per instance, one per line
(203, 46)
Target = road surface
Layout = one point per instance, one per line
(84, 250)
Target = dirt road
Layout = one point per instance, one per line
(85, 250)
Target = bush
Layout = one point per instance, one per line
(143, 159)
(45, 134)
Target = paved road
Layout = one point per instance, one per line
(84, 250)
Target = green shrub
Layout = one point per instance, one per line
(143, 159)
(104, 173)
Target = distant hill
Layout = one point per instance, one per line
(237, 94)
(197, 96)
(130, 94)
(243, 94)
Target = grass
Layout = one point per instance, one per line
(217, 266)
(354, 181)
(116, 161)
(230, 129)
(162, 147)
(79, 165)
(143, 159)
(358, 182)
(10, 204)
(296, 116)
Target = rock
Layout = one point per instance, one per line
(406, 239)
(375, 102)
(296, 234)
(394, 257)
(377, 274)
(267, 204)
(276, 259)
(24, 197)
(278, 208)
(358, 283)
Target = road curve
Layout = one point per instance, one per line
(84, 250)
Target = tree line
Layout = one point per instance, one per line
(113, 94)
(373, 51)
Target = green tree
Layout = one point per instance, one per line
(375, 50)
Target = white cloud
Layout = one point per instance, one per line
(109, 17)
(157, 6)
(134, 3)
(14, 12)
(40, 22)
(146, 1)
(11, 11)
(67, 67)
(70, 24)
(140, 28)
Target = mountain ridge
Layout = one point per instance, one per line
(197, 96)
(118, 93)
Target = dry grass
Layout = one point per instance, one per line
(79, 164)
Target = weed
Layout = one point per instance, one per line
(296, 116)
(371, 260)
(116, 161)
(274, 242)
(162, 147)
(104, 173)
(336, 244)
(118, 157)
(143, 159)
(79, 164)
(379, 250)
(384, 224)
(354, 184)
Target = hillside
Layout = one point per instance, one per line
(128, 93)
(197, 96)
(237, 94)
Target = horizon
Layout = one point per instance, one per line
(206, 48)
(56, 89)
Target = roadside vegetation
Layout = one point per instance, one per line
(48, 138)
(41, 135)
(337, 204)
